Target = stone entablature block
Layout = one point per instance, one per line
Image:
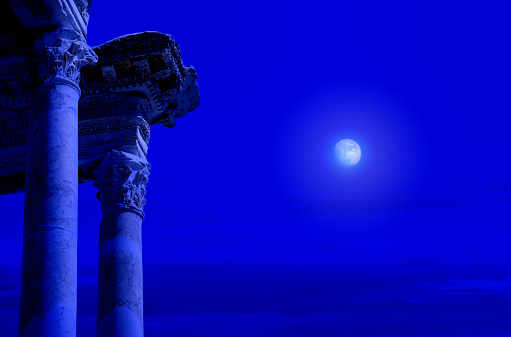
(148, 64)
(139, 80)
(97, 137)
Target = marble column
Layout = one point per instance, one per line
(121, 179)
(49, 264)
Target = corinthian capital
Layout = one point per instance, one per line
(122, 179)
(62, 53)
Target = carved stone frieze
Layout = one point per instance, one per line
(139, 81)
(14, 139)
(93, 126)
(97, 137)
(122, 179)
(63, 53)
(148, 64)
(16, 85)
(150, 75)
(105, 134)
(110, 104)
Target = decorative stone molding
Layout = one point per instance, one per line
(16, 85)
(63, 53)
(13, 139)
(122, 179)
(112, 104)
(87, 127)
(147, 64)
(145, 132)
(100, 125)
(128, 134)
(139, 72)
(146, 83)
(97, 138)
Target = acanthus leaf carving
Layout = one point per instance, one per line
(63, 53)
(121, 179)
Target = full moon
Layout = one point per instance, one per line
(348, 152)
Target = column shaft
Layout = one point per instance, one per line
(49, 262)
(120, 287)
(121, 179)
(48, 281)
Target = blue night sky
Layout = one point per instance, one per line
(254, 229)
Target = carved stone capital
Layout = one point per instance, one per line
(122, 179)
(62, 53)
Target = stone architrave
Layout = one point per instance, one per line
(49, 263)
(121, 179)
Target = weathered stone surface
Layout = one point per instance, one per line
(149, 65)
(146, 65)
(48, 276)
(139, 75)
(48, 282)
(96, 138)
(82, 124)
(62, 54)
(121, 179)
(100, 136)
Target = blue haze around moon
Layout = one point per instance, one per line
(252, 228)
